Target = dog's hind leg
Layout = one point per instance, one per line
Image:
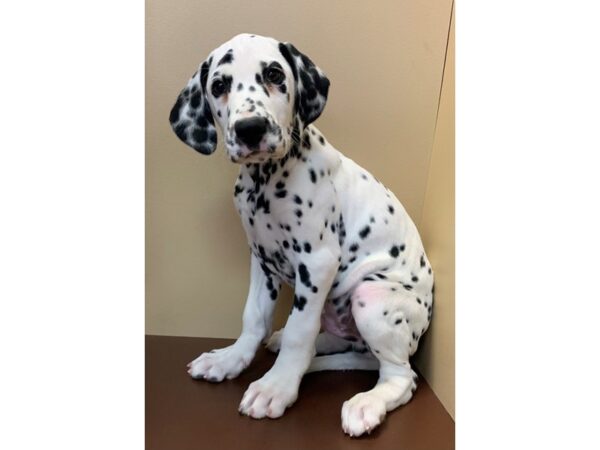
(387, 317)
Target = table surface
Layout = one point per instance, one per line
(182, 413)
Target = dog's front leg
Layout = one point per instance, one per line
(278, 388)
(228, 362)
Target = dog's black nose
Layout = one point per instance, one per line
(250, 131)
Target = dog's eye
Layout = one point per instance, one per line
(275, 76)
(217, 88)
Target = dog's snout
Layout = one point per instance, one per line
(250, 131)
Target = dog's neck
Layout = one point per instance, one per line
(262, 173)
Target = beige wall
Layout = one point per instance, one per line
(385, 64)
(436, 355)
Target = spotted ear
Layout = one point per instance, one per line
(311, 83)
(191, 118)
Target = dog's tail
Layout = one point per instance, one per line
(344, 361)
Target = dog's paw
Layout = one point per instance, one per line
(217, 365)
(274, 342)
(362, 414)
(268, 397)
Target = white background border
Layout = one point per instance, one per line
(71, 233)
(528, 224)
(72, 226)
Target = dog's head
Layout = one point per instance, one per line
(261, 92)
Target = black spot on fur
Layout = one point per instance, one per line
(174, 115)
(227, 58)
(364, 232)
(304, 275)
(299, 302)
(227, 81)
(306, 141)
(200, 134)
(262, 203)
(180, 131)
(195, 100)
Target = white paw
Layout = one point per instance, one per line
(217, 365)
(269, 397)
(274, 342)
(362, 414)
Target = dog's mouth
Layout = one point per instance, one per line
(242, 154)
(243, 147)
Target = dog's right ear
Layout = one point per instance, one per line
(191, 118)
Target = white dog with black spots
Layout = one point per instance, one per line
(314, 220)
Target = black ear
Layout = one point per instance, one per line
(311, 83)
(191, 118)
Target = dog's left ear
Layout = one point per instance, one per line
(191, 118)
(311, 83)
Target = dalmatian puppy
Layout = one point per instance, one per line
(314, 220)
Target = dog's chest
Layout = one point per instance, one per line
(277, 208)
(268, 219)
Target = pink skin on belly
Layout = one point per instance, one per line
(339, 325)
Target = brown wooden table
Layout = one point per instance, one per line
(186, 414)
